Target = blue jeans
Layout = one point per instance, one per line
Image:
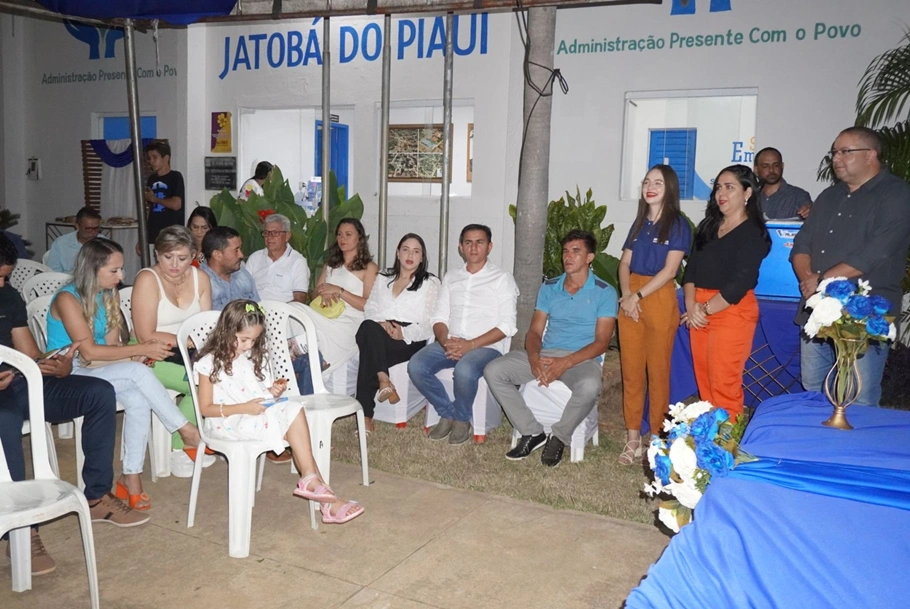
(817, 358)
(301, 367)
(422, 369)
(64, 400)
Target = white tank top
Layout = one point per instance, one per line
(170, 316)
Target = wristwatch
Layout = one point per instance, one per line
(640, 297)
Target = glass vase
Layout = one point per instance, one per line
(844, 382)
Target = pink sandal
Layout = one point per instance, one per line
(347, 512)
(321, 492)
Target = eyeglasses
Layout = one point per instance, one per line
(845, 151)
(273, 233)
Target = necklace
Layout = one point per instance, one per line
(176, 284)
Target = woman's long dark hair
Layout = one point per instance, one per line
(336, 257)
(669, 207)
(420, 273)
(707, 228)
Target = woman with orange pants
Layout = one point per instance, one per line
(721, 308)
(654, 249)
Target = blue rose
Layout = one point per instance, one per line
(678, 430)
(880, 304)
(704, 427)
(711, 457)
(721, 415)
(662, 468)
(859, 307)
(878, 326)
(841, 289)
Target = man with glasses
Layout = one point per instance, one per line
(859, 228)
(780, 200)
(280, 271)
(64, 249)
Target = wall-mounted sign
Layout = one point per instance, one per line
(220, 172)
(221, 132)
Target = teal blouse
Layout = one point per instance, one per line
(57, 335)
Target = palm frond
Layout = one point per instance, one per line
(884, 89)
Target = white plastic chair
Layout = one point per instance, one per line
(126, 306)
(548, 404)
(485, 411)
(45, 257)
(412, 401)
(43, 284)
(43, 498)
(24, 270)
(341, 379)
(37, 319)
(322, 408)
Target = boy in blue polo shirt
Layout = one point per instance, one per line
(570, 331)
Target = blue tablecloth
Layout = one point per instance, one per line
(772, 368)
(755, 544)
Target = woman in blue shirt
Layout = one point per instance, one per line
(87, 311)
(649, 311)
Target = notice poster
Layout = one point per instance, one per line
(221, 132)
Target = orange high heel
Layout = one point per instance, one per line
(122, 493)
(191, 453)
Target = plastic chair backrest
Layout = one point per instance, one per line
(45, 257)
(277, 316)
(197, 329)
(126, 306)
(41, 465)
(24, 270)
(43, 284)
(37, 319)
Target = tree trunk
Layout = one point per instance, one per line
(533, 186)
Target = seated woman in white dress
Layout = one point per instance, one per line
(347, 277)
(397, 323)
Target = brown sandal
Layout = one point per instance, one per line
(389, 393)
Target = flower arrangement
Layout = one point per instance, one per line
(846, 313)
(702, 442)
(842, 309)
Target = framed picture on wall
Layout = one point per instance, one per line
(470, 172)
(415, 153)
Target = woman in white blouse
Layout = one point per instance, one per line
(396, 322)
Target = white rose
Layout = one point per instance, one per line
(686, 494)
(811, 327)
(827, 311)
(668, 517)
(683, 459)
(813, 300)
(693, 411)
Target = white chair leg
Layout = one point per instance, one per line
(65, 431)
(261, 471)
(577, 454)
(596, 439)
(194, 487)
(159, 449)
(515, 437)
(241, 478)
(362, 432)
(20, 545)
(152, 442)
(52, 450)
(88, 547)
(80, 455)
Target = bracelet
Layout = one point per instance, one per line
(221, 410)
(707, 307)
(472, 345)
(640, 297)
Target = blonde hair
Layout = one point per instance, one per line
(94, 255)
(174, 237)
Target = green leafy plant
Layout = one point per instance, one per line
(308, 234)
(568, 213)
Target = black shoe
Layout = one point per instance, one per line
(552, 452)
(526, 445)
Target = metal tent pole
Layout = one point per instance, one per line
(326, 126)
(384, 139)
(132, 94)
(447, 148)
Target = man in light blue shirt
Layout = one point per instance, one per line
(64, 249)
(223, 264)
(571, 329)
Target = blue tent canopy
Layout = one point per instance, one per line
(177, 12)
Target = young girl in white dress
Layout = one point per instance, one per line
(235, 382)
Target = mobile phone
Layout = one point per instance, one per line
(53, 353)
(269, 403)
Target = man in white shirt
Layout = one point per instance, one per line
(65, 248)
(280, 271)
(474, 319)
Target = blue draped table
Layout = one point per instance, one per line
(773, 365)
(757, 544)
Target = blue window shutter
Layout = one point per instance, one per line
(339, 161)
(118, 127)
(676, 148)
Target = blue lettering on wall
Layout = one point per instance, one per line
(687, 7)
(416, 39)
